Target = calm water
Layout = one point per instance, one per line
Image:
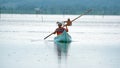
(95, 42)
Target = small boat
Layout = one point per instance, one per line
(64, 37)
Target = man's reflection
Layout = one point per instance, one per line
(62, 50)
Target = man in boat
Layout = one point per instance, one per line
(60, 29)
(68, 22)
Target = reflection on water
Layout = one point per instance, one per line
(62, 50)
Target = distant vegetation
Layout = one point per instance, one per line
(106, 7)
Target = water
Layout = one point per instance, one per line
(96, 42)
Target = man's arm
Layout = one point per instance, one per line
(66, 28)
(55, 31)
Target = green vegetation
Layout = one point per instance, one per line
(106, 7)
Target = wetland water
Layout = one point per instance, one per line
(95, 42)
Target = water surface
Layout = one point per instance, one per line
(95, 42)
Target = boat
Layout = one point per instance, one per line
(64, 37)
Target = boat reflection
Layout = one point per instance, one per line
(62, 50)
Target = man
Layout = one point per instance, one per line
(60, 29)
(68, 22)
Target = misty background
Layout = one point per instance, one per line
(107, 7)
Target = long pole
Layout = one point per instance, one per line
(82, 14)
(48, 36)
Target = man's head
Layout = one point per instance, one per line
(59, 24)
(68, 19)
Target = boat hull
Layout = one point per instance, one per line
(64, 37)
